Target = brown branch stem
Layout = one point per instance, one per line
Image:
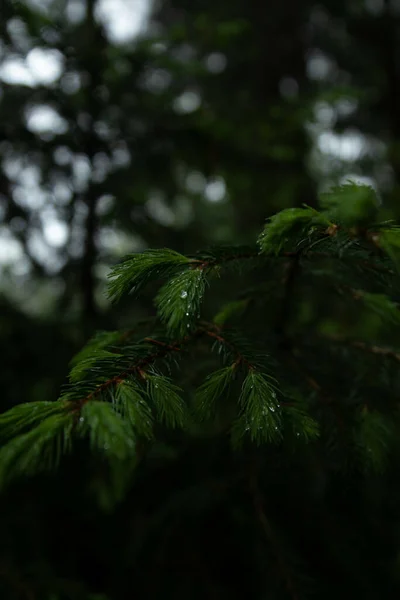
(364, 346)
(220, 338)
(140, 366)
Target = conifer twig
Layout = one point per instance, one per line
(140, 365)
(165, 349)
(217, 334)
(204, 263)
(363, 346)
(361, 261)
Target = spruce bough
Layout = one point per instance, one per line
(120, 383)
(304, 363)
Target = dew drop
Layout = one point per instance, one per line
(184, 294)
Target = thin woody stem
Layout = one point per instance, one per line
(140, 366)
(217, 334)
(389, 352)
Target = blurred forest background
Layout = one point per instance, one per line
(128, 124)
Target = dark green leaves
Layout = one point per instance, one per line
(260, 412)
(383, 306)
(297, 418)
(139, 269)
(389, 240)
(179, 301)
(37, 450)
(131, 403)
(211, 390)
(350, 204)
(100, 341)
(85, 365)
(167, 400)
(117, 393)
(231, 257)
(288, 227)
(24, 416)
(107, 430)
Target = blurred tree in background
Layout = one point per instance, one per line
(130, 124)
(178, 138)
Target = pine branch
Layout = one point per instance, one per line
(142, 364)
(367, 264)
(38, 449)
(107, 432)
(380, 304)
(108, 340)
(23, 417)
(117, 392)
(386, 352)
(260, 414)
(137, 368)
(137, 270)
(222, 255)
(129, 402)
(168, 402)
(351, 204)
(215, 332)
(213, 388)
(389, 240)
(178, 302)
(290, 225)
